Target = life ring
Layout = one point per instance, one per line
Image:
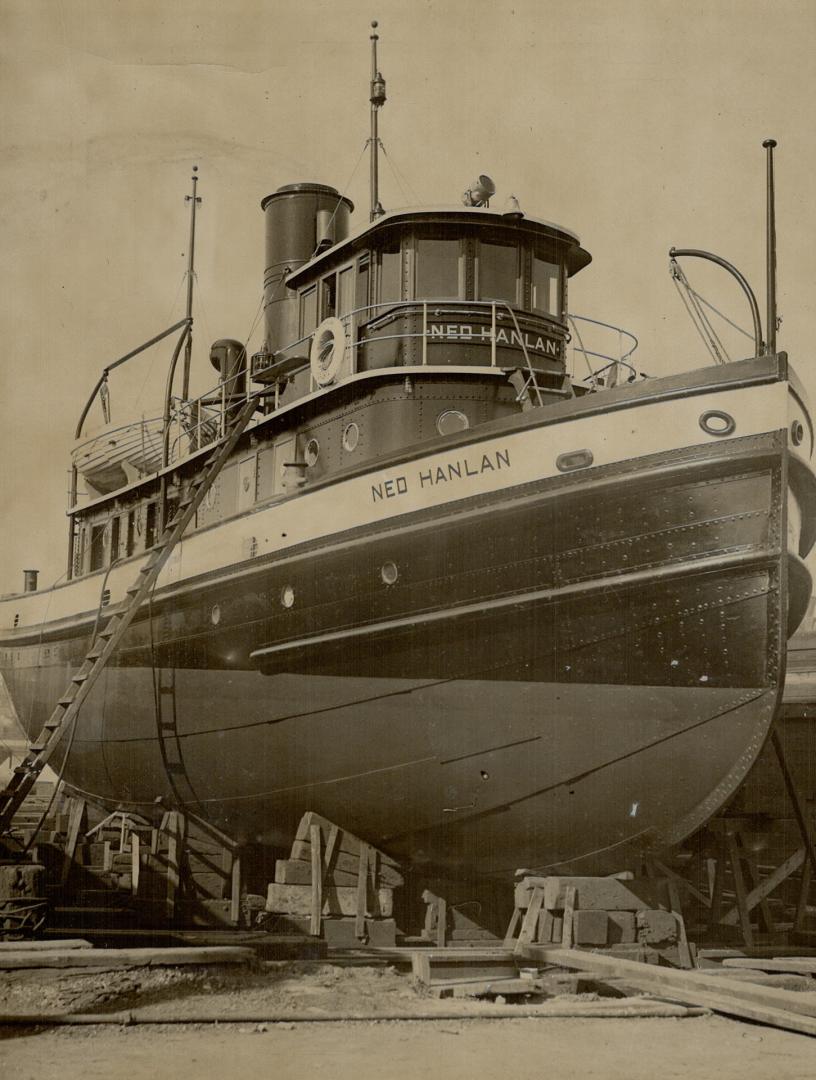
(328, 350)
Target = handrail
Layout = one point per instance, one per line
(128, 356)
(676, 253)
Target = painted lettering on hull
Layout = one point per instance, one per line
(447, 472)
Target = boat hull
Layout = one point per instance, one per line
(571, 673)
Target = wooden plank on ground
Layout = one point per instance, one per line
(36, 946)
(798, 965)
(109, 958)
(779, 1008)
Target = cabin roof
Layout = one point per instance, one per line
(577, 257)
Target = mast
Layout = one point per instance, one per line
(193, 200)
(770, 317)
(377, 99)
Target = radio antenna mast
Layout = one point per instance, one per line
(193, 200)
(377, 99)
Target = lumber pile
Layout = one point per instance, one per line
(335, 885)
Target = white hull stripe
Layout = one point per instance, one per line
(498, 463)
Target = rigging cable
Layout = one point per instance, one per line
(701, 322)
(397, 173)
(348, 184)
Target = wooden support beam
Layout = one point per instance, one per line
(441, 922)
(135, 862)
(315, 926)
(175, 845)
(75, 817)
(765, 888)
(778, 1008)
(802, 902)
(683, 883)
(570, 902)
(235, 891)
(362, 892)
(529, 928)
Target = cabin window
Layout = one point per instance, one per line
(114, 545)
(130, 542)
(361, 299)
(437, 269)
(545, 287)
(498, 271)
(308, 310)
(345, 291)
(97, 547)
(329, 306)
(390, 284)
(150, 525)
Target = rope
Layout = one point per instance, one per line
(348, 184)
(411, 192)
(697, 315)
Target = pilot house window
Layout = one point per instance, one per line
(437, 269)
(390, 276)
(545, 287)
(498, 272)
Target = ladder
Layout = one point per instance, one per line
(110, 635)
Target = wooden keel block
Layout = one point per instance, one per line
(347, 841)
(347, 862)
(297, 900)
(295, 872)
(600, 894)
(590, 927)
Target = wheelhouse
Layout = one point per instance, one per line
(445, 287)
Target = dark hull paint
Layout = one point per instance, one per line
(595, 675)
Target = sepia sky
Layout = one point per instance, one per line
(637, 123)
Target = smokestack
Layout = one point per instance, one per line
(30, 580)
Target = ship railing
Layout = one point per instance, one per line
(614, 365)
(370, 318)
(197, 422)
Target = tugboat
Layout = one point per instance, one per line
(399, 568)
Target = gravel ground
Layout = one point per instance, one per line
(474, 1047)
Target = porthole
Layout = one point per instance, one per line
(287, 596)
(351, 436)
(717, 422)
(215, 615)
(797, 432)
(389, 573)
(450, 421)
(312, 452)
(574, 459)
